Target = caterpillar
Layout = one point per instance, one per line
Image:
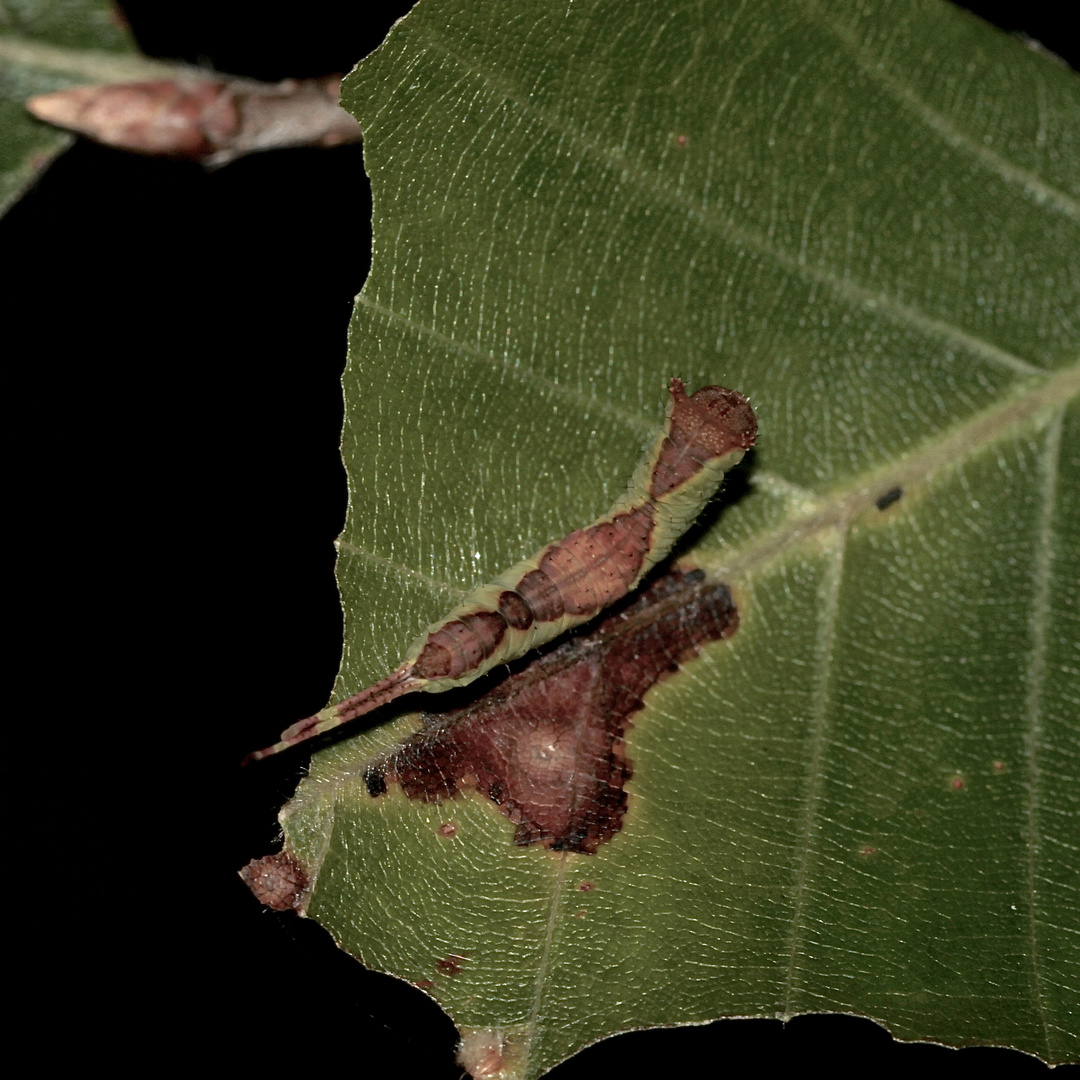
(572, 580)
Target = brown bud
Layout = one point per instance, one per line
(192, 118)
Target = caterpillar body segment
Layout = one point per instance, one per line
(572, 580)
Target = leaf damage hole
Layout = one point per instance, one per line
(547, 744)
(887, 498)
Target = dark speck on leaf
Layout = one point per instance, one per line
(375, 782)
(887, 498)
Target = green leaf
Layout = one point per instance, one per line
(867, 218)
(47, 45)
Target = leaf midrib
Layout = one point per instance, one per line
(952, 445)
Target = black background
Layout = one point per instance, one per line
(173, 343)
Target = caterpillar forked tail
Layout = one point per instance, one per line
(398, 682)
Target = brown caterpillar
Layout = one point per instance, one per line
(572, 580)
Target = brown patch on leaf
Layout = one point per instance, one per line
(547, 744)
(451, 965)
(448, 829)
(278, 881)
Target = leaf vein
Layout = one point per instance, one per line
(851, 291)
(1042, 192)
(819, 720)
(403, 571)
(545, 960)
(633, 421)
(1043, 573)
